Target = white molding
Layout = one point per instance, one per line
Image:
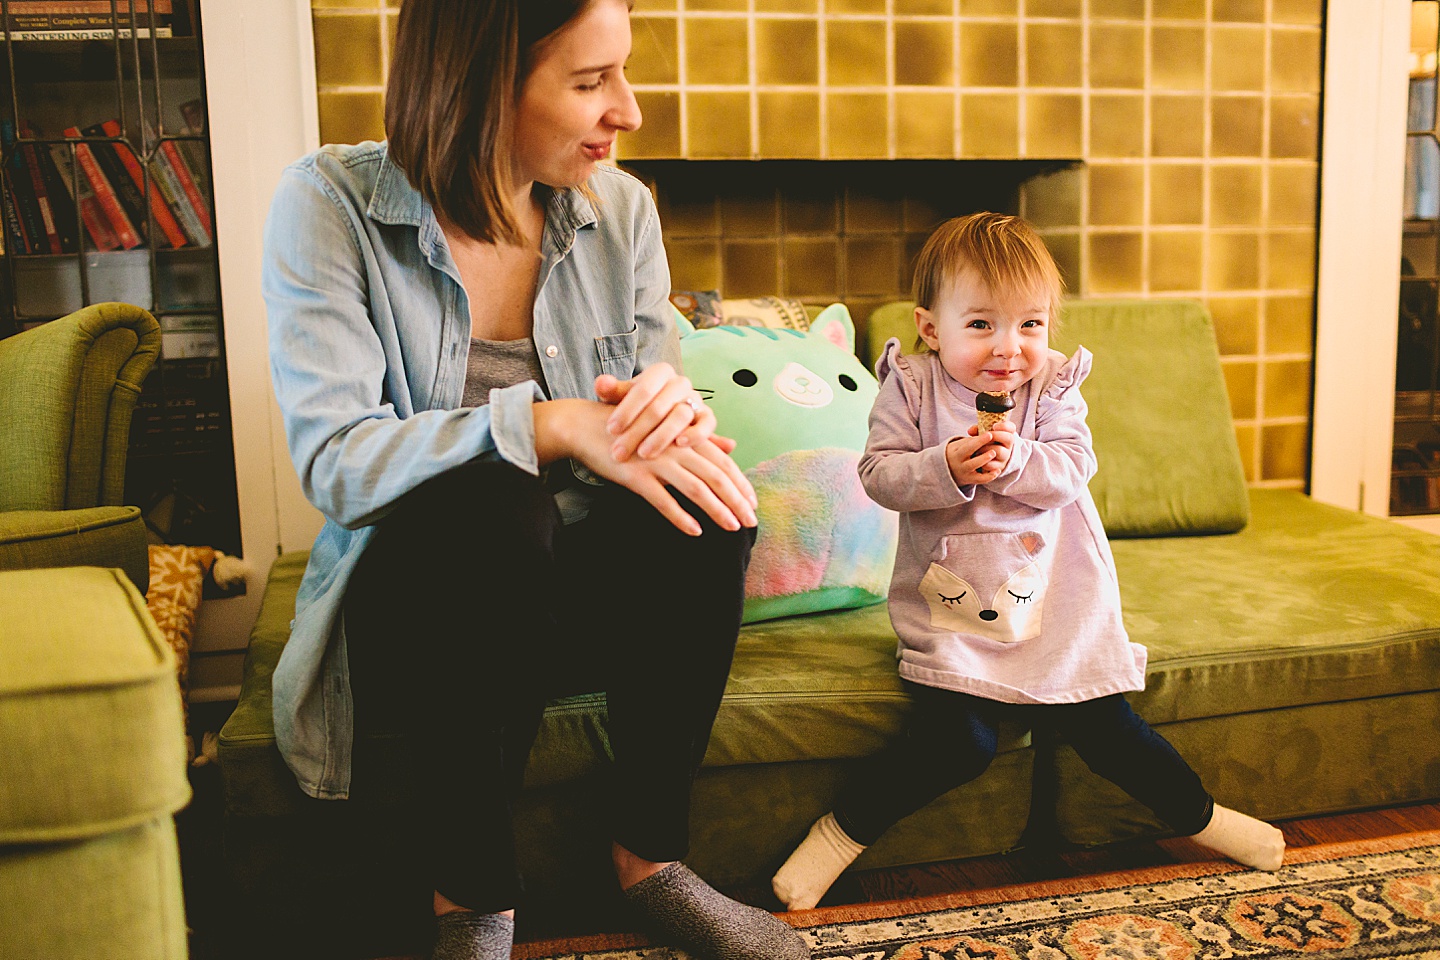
(1430, 524)
(1358, 287)
(260, 90)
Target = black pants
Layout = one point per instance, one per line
(474, 605)
(950, 739)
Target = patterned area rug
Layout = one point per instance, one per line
(1368, 899)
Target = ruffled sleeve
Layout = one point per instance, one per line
(889, 359)
(1053, 468)
(897, 470)
(1060, 398)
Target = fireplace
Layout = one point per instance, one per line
(837, 231)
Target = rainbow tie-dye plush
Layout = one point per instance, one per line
(797, 405)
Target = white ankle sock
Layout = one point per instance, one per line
(1249, 841)
(821, 857)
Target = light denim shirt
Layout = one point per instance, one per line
(369, 336)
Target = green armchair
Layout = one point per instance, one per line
(67, 391)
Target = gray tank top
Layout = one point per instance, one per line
(496, 364)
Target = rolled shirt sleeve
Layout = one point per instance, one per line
(356, 453)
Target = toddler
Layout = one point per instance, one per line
(1004, 594)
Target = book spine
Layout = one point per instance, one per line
(87, 19)
(163, 217)
(85, 6)
(62, 202)
(14, 218)
(162, 179)
(51, 235)
(172, 157)
(98, 225)
(108, 156)
(162, 33)
(109, 202)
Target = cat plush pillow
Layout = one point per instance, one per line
(798, 404)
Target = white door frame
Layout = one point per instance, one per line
(1367, 45)
(260, 89)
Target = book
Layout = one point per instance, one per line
(94, 19)
(159, 202)
(62, 202)
(108, 156)
(105, 194)
(195, 214)
(195, 125)
(19, 242)
(42, 201)
(102, 235)
(22, 194)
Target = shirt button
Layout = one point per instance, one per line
(551, 350)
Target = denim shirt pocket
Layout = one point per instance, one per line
(616, 353)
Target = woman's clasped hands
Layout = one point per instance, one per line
(648, 434)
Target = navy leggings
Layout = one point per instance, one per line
(474, 605)
(950, 740)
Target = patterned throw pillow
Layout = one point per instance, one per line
(177, 582)
(700, 307)
(777, 313)
(177, 575)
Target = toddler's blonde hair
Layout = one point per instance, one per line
(1005, 253)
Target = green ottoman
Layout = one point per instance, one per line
(92, 766)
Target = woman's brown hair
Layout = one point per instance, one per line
(455, 77)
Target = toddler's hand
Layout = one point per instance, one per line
(1002, 442)
(971, 459)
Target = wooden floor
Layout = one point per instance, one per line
(1024, 866)
(1031, 867)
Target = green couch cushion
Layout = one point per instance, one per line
(818, 687)
(93, 537)
(1308, 604)
(115, 895)
(1169, 464)
(91, 737)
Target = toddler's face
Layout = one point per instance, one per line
(987, 341)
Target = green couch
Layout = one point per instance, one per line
(67, 390)
(1294, 659)
(92, 746)
(92, 767)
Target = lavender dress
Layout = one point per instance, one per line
(1005, 590)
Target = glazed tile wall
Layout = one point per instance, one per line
(1194, 124)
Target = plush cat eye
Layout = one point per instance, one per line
(848, 383)
(746, 378)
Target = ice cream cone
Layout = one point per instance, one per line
(988, 420)
(991, 408)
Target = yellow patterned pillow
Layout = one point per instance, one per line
(177, 575)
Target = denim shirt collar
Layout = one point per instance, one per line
(396, 201)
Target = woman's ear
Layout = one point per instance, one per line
(926, 327)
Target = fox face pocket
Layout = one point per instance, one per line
(988, 584)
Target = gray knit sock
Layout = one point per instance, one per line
(683, 909)
(463, 935)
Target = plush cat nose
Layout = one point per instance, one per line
(801, 386)
(988, 615)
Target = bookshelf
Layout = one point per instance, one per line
(104, 127)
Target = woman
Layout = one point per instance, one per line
(473, 351)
